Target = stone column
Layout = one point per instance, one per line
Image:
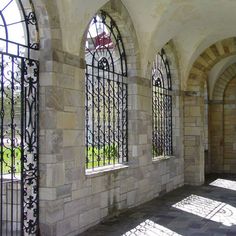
(216, 135)
(194, 138)
(140, 124)
(140, 134)
(61, 141)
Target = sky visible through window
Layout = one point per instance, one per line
(15, 27)
(96, 29)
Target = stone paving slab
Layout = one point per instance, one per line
(207, 210)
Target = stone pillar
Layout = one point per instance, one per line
(140, 123)
(216, 136)
(140, 133)
(61, 141)
(194, 138)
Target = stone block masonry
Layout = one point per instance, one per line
(86, 199)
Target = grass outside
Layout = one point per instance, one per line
(7, 161)
(103, 156)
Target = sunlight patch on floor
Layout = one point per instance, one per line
(208, 209)
(224, 183)
(150, 228)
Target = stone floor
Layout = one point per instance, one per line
(188, 211)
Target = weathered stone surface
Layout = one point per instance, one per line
(72, 200)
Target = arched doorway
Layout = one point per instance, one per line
(19, 118)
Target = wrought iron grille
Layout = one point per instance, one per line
(161, 106)
(106, 94)
(19, 119)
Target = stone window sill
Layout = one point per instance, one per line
(98, 171)
(161, 158)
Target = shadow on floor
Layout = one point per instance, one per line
(208, 210)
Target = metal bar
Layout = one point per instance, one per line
(86, 116)
(28, 132)
(119, 119)
(109, 118)
(17, 209)
(122, 121)
(113, 113)
(2, 154)
(12, 138)
(37, 148)
(107, 102)
(127, 121)
(171, 131)
(162, 106)
(23, 127)
(104, 116)
(118, 40)
(7, 209)
(98, 119)
(93, 125)
(27, 28)
(5, 27)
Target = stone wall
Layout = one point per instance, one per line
(194, 126)
(72, 199)
(194, 141)
(216, 135)
(230, 127)
(222, 122)
(222, 127)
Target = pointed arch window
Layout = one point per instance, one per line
(161, 106)
(19, 72)
(106, 94)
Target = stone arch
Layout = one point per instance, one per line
(222, 82)
(172, 56)
(211, 55)
(49, 29)
(119, 13)
(217, 117)
(229, 124)
(194, 108)
(177, 109)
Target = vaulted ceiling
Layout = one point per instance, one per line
(193, 25)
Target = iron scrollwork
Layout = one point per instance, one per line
(19, 93)
(106, 94)
(161, 107)
(30, 148)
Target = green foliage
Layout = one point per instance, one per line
(157, 150)
(107, 154)
(7, 103)
(6, 163)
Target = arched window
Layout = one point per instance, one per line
(106, 94)
(161, 106)
(18, 118)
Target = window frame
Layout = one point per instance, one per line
(162, 127)
(106, 89)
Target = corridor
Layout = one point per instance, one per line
(208, 210)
